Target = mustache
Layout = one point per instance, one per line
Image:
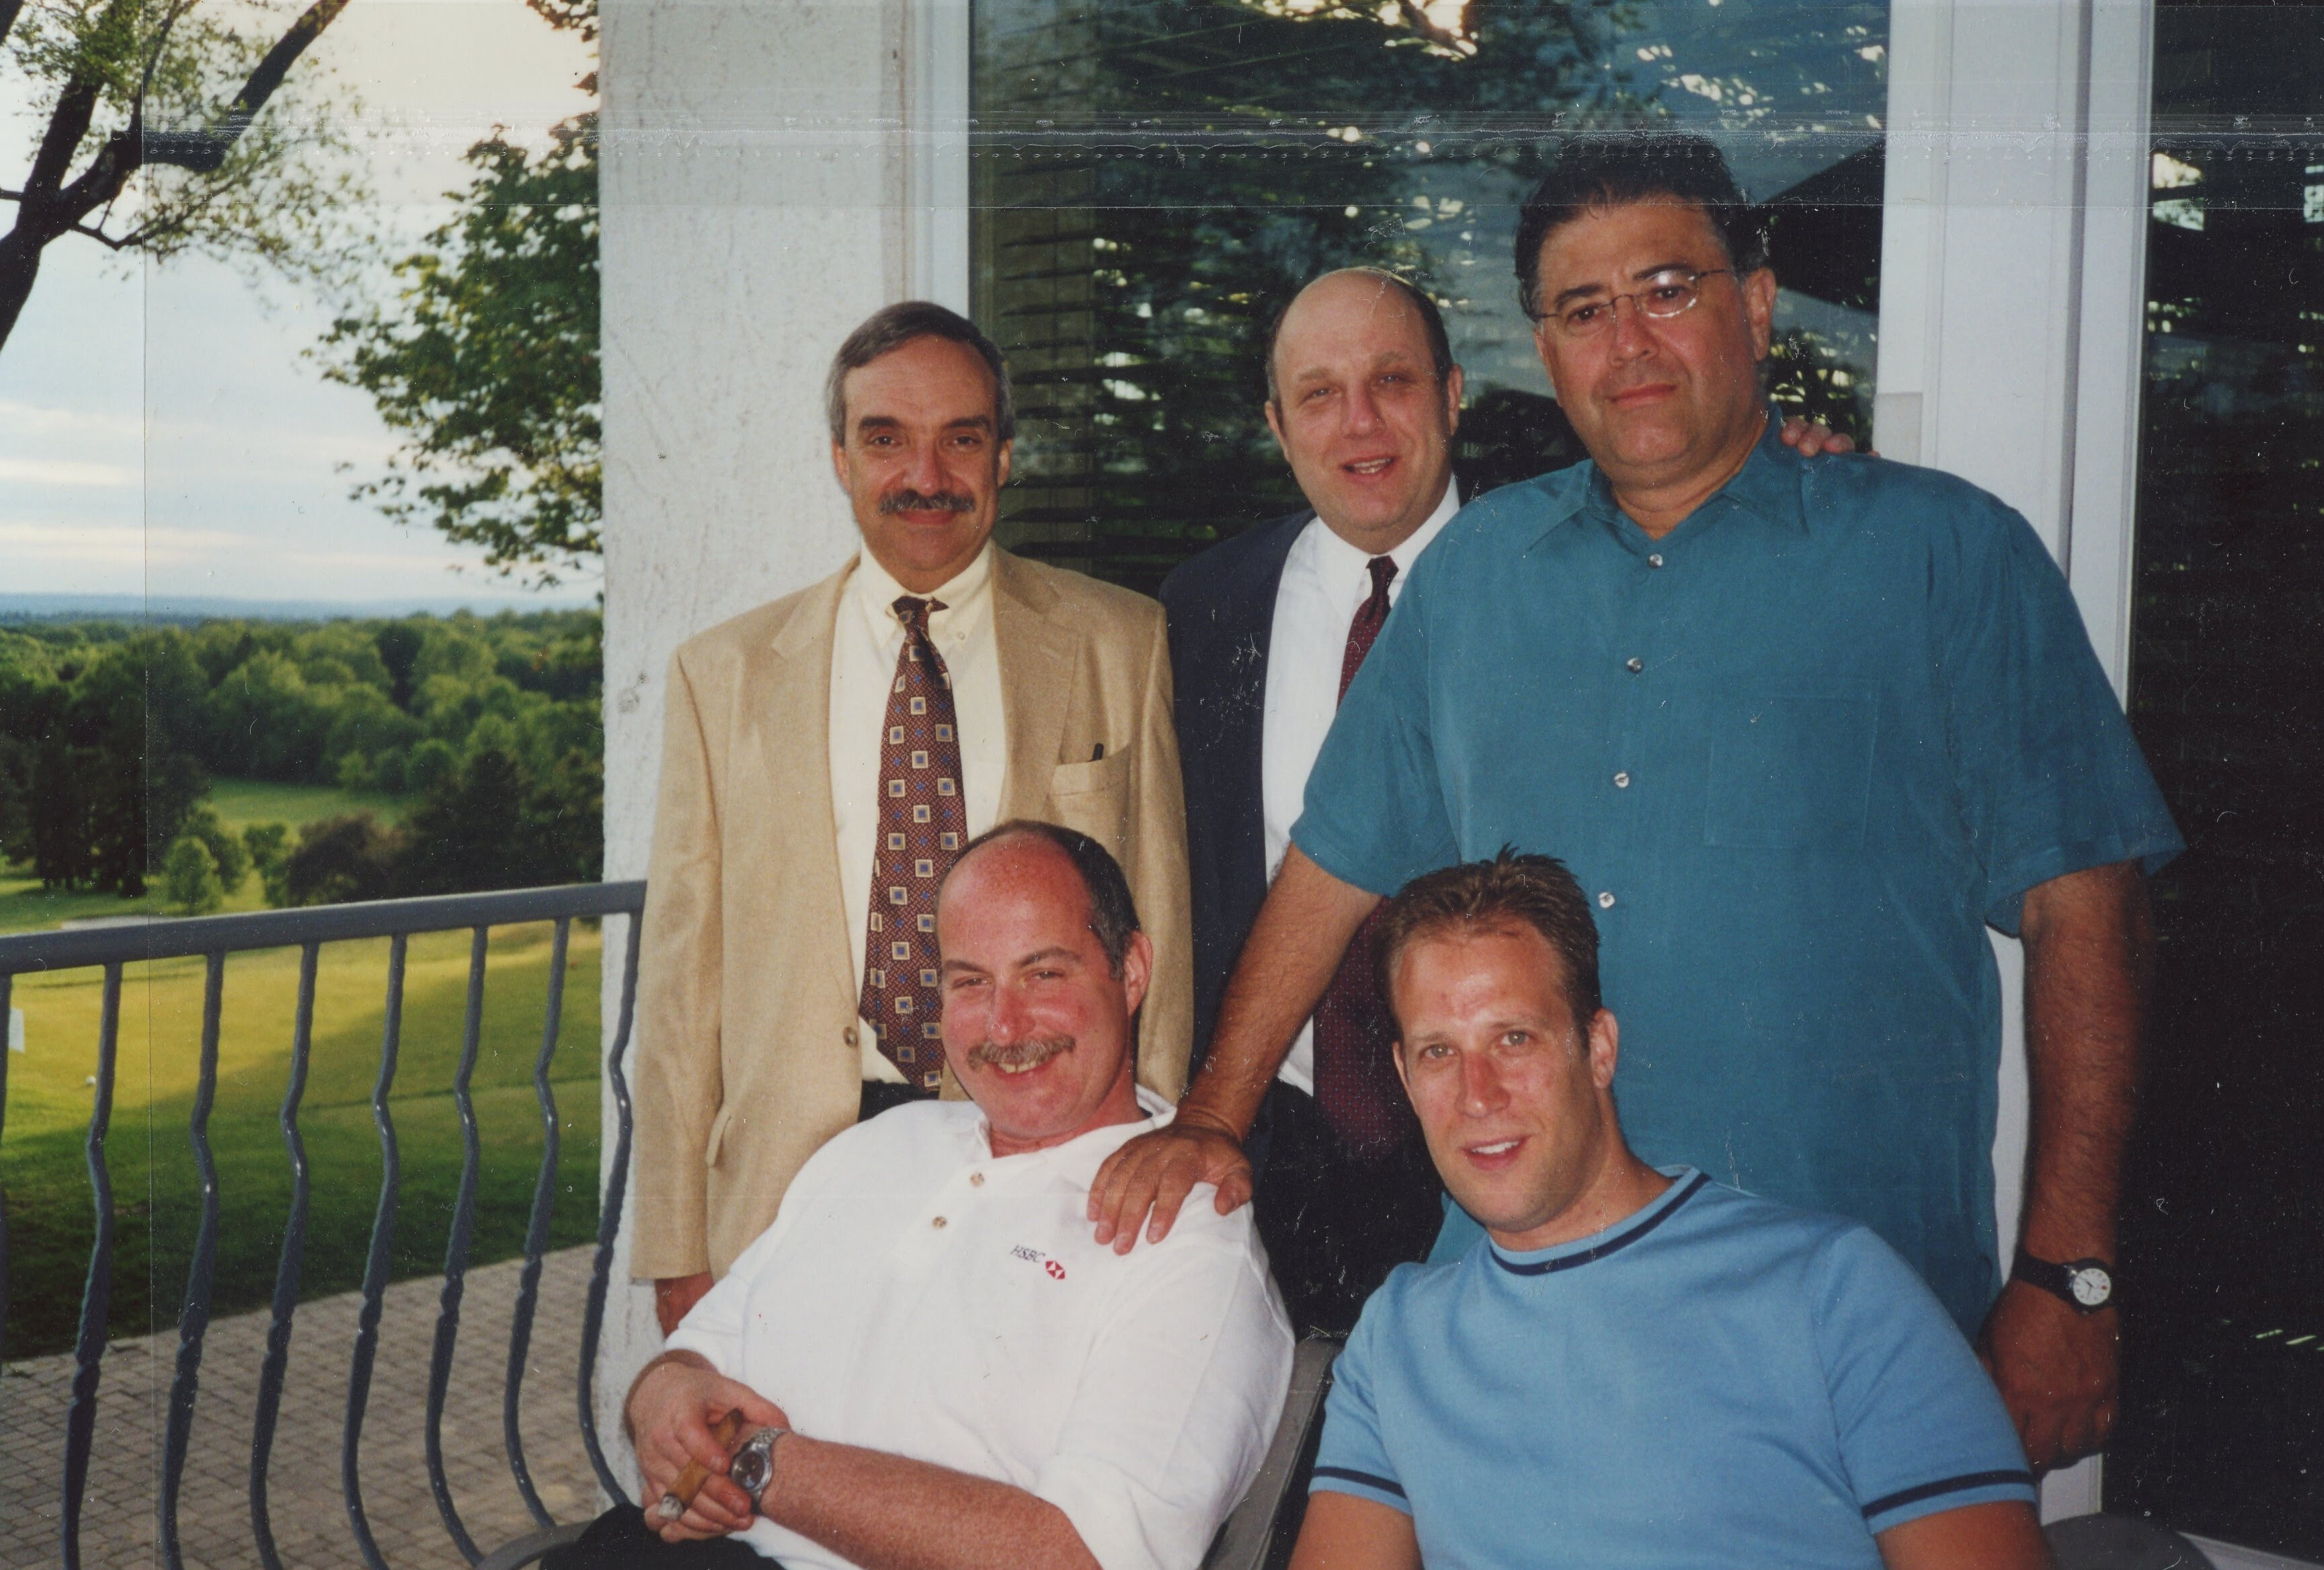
(911, 501)
(1030, 1052)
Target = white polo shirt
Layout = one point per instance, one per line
(917, 1295)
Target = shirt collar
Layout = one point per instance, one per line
(1078, 1160)
(965, 594)
(1345, 568)
(1685, 1183)
(1768, 487)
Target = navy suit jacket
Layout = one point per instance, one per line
(1222, 613)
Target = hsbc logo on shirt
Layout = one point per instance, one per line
(1035, 1256)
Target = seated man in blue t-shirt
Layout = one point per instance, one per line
(1635, 1368)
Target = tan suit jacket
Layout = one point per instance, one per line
(747, 1059)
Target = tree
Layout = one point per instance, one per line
(488, 361)
(155, 138)
(229, 853)
(194, 884)
(338, 860)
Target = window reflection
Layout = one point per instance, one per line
(2224, 1370)
(1153, 177)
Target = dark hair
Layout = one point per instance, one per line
(1431, 321)
(890, 329)
(1615, 169)
(1113, 914)
(1511, 892)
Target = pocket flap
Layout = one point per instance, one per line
(1092, 774)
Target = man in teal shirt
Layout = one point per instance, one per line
(1804, 728)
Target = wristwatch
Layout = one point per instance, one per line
(2086, 1285)
(754, 1467)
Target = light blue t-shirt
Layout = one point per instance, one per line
(1800, 752)
(1716, 1379)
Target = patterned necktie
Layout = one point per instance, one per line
(923, 823)
(1355, 1080)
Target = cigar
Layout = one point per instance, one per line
(725, 1431)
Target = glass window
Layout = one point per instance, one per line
(2223, 1418)
(1152, 180)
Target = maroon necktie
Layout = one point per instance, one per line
(923, 823)
(1355, 1080)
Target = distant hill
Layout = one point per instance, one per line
(189, 608)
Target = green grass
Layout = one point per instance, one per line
(239, 803)
(155, 1180)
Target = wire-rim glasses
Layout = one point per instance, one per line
(1671, 292)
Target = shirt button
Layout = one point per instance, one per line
(1655, 560)
(976, 1179)
(1605, 902)
(1622, 781)
(939, 1221)
(1634, 665)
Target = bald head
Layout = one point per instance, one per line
(1363, 398)
(1384, 288)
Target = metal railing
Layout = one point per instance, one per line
(212, 938)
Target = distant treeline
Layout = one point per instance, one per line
(110, 732)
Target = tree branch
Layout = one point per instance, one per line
(204, 152)
(105, 240)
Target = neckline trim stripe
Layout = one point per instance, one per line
(1612, 1245)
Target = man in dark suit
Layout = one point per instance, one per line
(1363, 397)
(1266, 631)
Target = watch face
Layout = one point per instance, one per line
(750, 1469)
(2091, 1286)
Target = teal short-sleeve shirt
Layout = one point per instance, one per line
(1800, 751)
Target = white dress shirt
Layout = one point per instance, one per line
(1326, 581)
(867, 642)
(918, 1296)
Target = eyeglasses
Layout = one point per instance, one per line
(1668, 294)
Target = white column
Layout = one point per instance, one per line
(759, 166)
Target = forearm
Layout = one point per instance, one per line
(885, 1513)
(1295, 946)
(2089, 951)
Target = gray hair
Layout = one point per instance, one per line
(890, 329)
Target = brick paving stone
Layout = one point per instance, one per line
(121, 1509)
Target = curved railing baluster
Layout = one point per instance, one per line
(456, 1252)
(194, 1321)
(96, 1297)
(7, 989)
(536, 1237)
(211, 938)
(382, 1241)
(286, 1272)
(609, 1221)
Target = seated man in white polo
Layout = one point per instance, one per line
(1635, 1368)
(941, 1366)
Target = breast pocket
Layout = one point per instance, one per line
(1093, 797)
(1792, 770)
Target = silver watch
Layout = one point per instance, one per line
(754, 1467)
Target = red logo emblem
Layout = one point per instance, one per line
(1056, 1270)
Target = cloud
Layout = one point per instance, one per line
(65, 471)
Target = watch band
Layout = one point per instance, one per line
(2085, 1285)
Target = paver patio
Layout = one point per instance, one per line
(120, 1514)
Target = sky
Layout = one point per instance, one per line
(162, 433)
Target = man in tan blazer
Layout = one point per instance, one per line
(824, 758)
